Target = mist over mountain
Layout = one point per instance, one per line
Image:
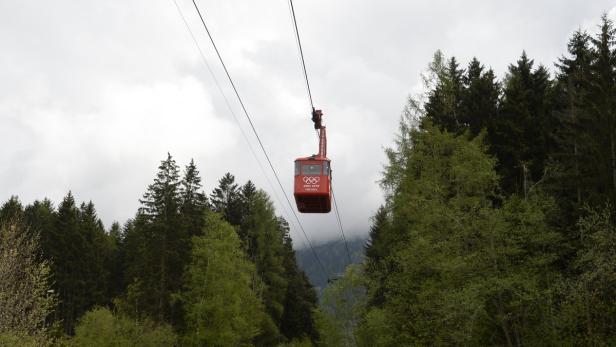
(332, 255)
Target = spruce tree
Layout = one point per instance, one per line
(159, 238)
(225, 200)
(573, 180)
(11, 211)
(194, 201)
(298, 321)
(41, 218)
(443, 106)
(96, 256)
(521, 138)
(66, 251)
(247, 194)
(266, 250)
(479, 99)
(378, 249)
(602, 110)
(116, 261)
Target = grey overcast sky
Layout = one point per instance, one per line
(93, 94)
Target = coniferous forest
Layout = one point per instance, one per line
(188, 269)
(498, 228)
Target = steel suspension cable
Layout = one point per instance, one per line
(254, 130)
(301, 53)
(303, 61)
(228, 104)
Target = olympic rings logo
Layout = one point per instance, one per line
(311, 180)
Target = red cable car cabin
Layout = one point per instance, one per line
(312, 182)
(312, 185)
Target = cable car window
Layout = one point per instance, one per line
(311, 169)
(326, 168)
(297, 168)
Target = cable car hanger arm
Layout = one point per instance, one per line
(318, 125)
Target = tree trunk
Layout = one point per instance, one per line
(161, 288)
(525, 186)
(499, 305)
(575, 157)
(577, 173)
(613, 148)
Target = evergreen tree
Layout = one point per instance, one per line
(41, 219)
(11, 211)
(159, 239)
(479, 98)
(378, 249)
(298, 321)
(573, 181)
(443, 106)
(225, 200)
(66, 250)
(115, 262)
(463, 272)
(194, 201)
(246, 196)
(602, 106)
(377, 246)
(266, 249)
(96, 256)
(521, 138)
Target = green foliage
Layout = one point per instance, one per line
(25, 300)
(479, 98)
(341, 307)
(521, 139)
(497, 228)
(600, 104)
(588, 310)
(140, 269)
(193, 200)
(225, 200)
(330, 334)
(266, 249)
(458, 270)
(375, 329)
(78, 248)
(297, 321)
(221, 307)
(444, 100)
(474, 250)
(100, 327)
(305, 342)
(11, 211)
(12, 339)
(158, 242)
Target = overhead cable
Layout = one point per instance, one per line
(301, 53)
(254, 130)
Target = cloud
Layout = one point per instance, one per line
(94, 94)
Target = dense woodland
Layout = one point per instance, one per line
(187, 270)
(498, 229)
(499, 226)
